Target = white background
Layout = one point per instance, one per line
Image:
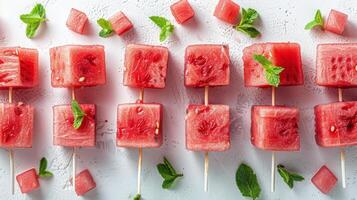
(115, 169)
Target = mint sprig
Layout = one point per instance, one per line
(42, 171)
(246, 24)
(34, 19)
(247, 182)
(107, 29)
(165, 25)
(318, 21)
(272, 72)
(78, 114)
(137, 197)
(289, 177)
(168, 173)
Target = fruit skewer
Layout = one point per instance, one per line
(342, 150)
(140, 150)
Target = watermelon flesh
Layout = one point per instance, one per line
(84, 183)
(336, 22)
(324, 180)
(207, 128)
(28, 181)
(182, 11)
(207, 65)
(77, 21)
(18, 67)
(275, 128)
(120, 23)
(64, 134)
(16, 125)
(336, 65)
(285, 55)
(77, 65)
(227, 10)
(145, 66)
(336, 124)
(139, 125)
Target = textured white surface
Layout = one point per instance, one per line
(115, 169)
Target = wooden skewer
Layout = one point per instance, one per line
(206, 153)
(140, 157)
(342, 152)
(272, 184)
(11, 156)
(74, 155)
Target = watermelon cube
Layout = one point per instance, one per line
(77, 21)
(18, 67)
(64, 134)
(207, 128)
(275, 128)
(182, 11)
(336, 124)
(77, 65)
(285, 55)
(28, 181)
(227, 10)
(139, 125)
(84, 183)
(324, 180)
(336, 65)
(336, 22)
(120, 23)
(206, 65)
(16, 125)
(145, 66)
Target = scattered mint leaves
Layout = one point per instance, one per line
(246, 24)
(247, 182)
(165, 25)
(107, 29)
(318, 21)
(289, 177)
(137, 197)
(168, 173)
(34, 19)
(42, 171)
(78, 114)
(271, 71)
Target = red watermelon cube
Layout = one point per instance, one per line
(84, 183)
(77, 21)
(336, 22)
(120, 23)
(145, 66)
(16, 125)
(324, 180)
(207, 65)
(275, 128)
(28, 181)
(18, 67)
(336, 65)
(182, 11)
(77, 65)
(228, 11)
(285, 55)
(336, 124)
(207, 128)
(64, 134)
(139, 125)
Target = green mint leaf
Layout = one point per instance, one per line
(160, 21)
(289, 177)
(45, 174)
(168, 183)
(78, 114)
(165, 171)
(38, 10)
(165, 25)
(43, 165)
(31, 18)
(104, 33)
(34, 19)
(296, 177)
(247, 182)
(318, 21)
(106, 26)
(168, 173)
(137, 197)
(272, 72)
(169, 166)
(248, 29)
(246, 24)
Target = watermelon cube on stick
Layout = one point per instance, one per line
(336, 22)
(77, 21)
(64, 134)
(77, 65)
(120, 23)
(16, 125)
(324, 180)
(139, 125)
(336, 124)
(286, 55)
(207, 65)
(145, 66)
(84, 183)
(28, 181)
(275, 128)
(182, 11)
(336, 65)
(207, 128)
(227, 10)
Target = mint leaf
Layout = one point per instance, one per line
(246, 24)
(78, 114)
(137, 197)
(106, 26)
(272, 72)
(34, 19)
(247, 182)
(42, 171)
(289, 177)
(165, 25)
(168, 173)
(318, 21)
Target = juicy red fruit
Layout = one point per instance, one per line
(324, 180)
(227, 11)
(182, 11)
(84, 183)
(77, 21)
(120, 23)
(28, 181)
(336, 22)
